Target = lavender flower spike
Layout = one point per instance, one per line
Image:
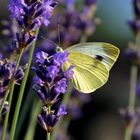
(16, 8)
(48, 120)
(49, 83)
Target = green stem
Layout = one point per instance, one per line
(48, 136)
(132, 99)
(48, 133)
(7, 114)
(12, 84)
(133, 82)
(33, 120)
(128, 133)
(28, 102)
(18, 61)
(132, 94)
(21, 92)
(4, 99)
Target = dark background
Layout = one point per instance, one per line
(101, 120)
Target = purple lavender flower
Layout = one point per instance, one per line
(5, 108)
(132, 54)
(8, 73)
(42, 92)
(7, 69)
(40, 11)
(30, 15)
(37, 80)
(134, 25)
(49, 84)
(130, 115)
(69, 72)
(136, 4)
(48, 6)
(61, 86)
(73, 23)
(41, 56)
(19, 74)
(61, 111)
(60, 57)
(50, 75)
(16, 8)
(52, 72)
(48, 120)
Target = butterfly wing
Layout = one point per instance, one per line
(89, 73)
(105, 52)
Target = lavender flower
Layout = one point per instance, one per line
(134, 25)
(5, 107)
(50, 76)
(132, 117)
(8, 73)
(60, 57)
(136, 4)
(132, 54)
(39, 11)
(49, 83)
(74, 23)
(48, 120)
(41, 56)
(61, 86)
(16, 8)
(30, 15)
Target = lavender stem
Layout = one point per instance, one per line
(21, 92)
(132, 94)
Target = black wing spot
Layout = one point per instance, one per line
(99, 57)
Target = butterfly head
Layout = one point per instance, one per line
(59, 49)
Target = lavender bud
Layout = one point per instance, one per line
(5, 108)
(41, 121)
(30, 40)
(39, 13)
(19, 74)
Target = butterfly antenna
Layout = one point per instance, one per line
(59, 38)
(43, 37)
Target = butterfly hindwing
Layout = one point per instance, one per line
(89, 72)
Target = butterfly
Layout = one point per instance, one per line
(92, 62)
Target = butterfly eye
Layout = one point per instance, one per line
(58, 49)
(99, 57)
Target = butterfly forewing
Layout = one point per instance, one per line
(104, 52)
